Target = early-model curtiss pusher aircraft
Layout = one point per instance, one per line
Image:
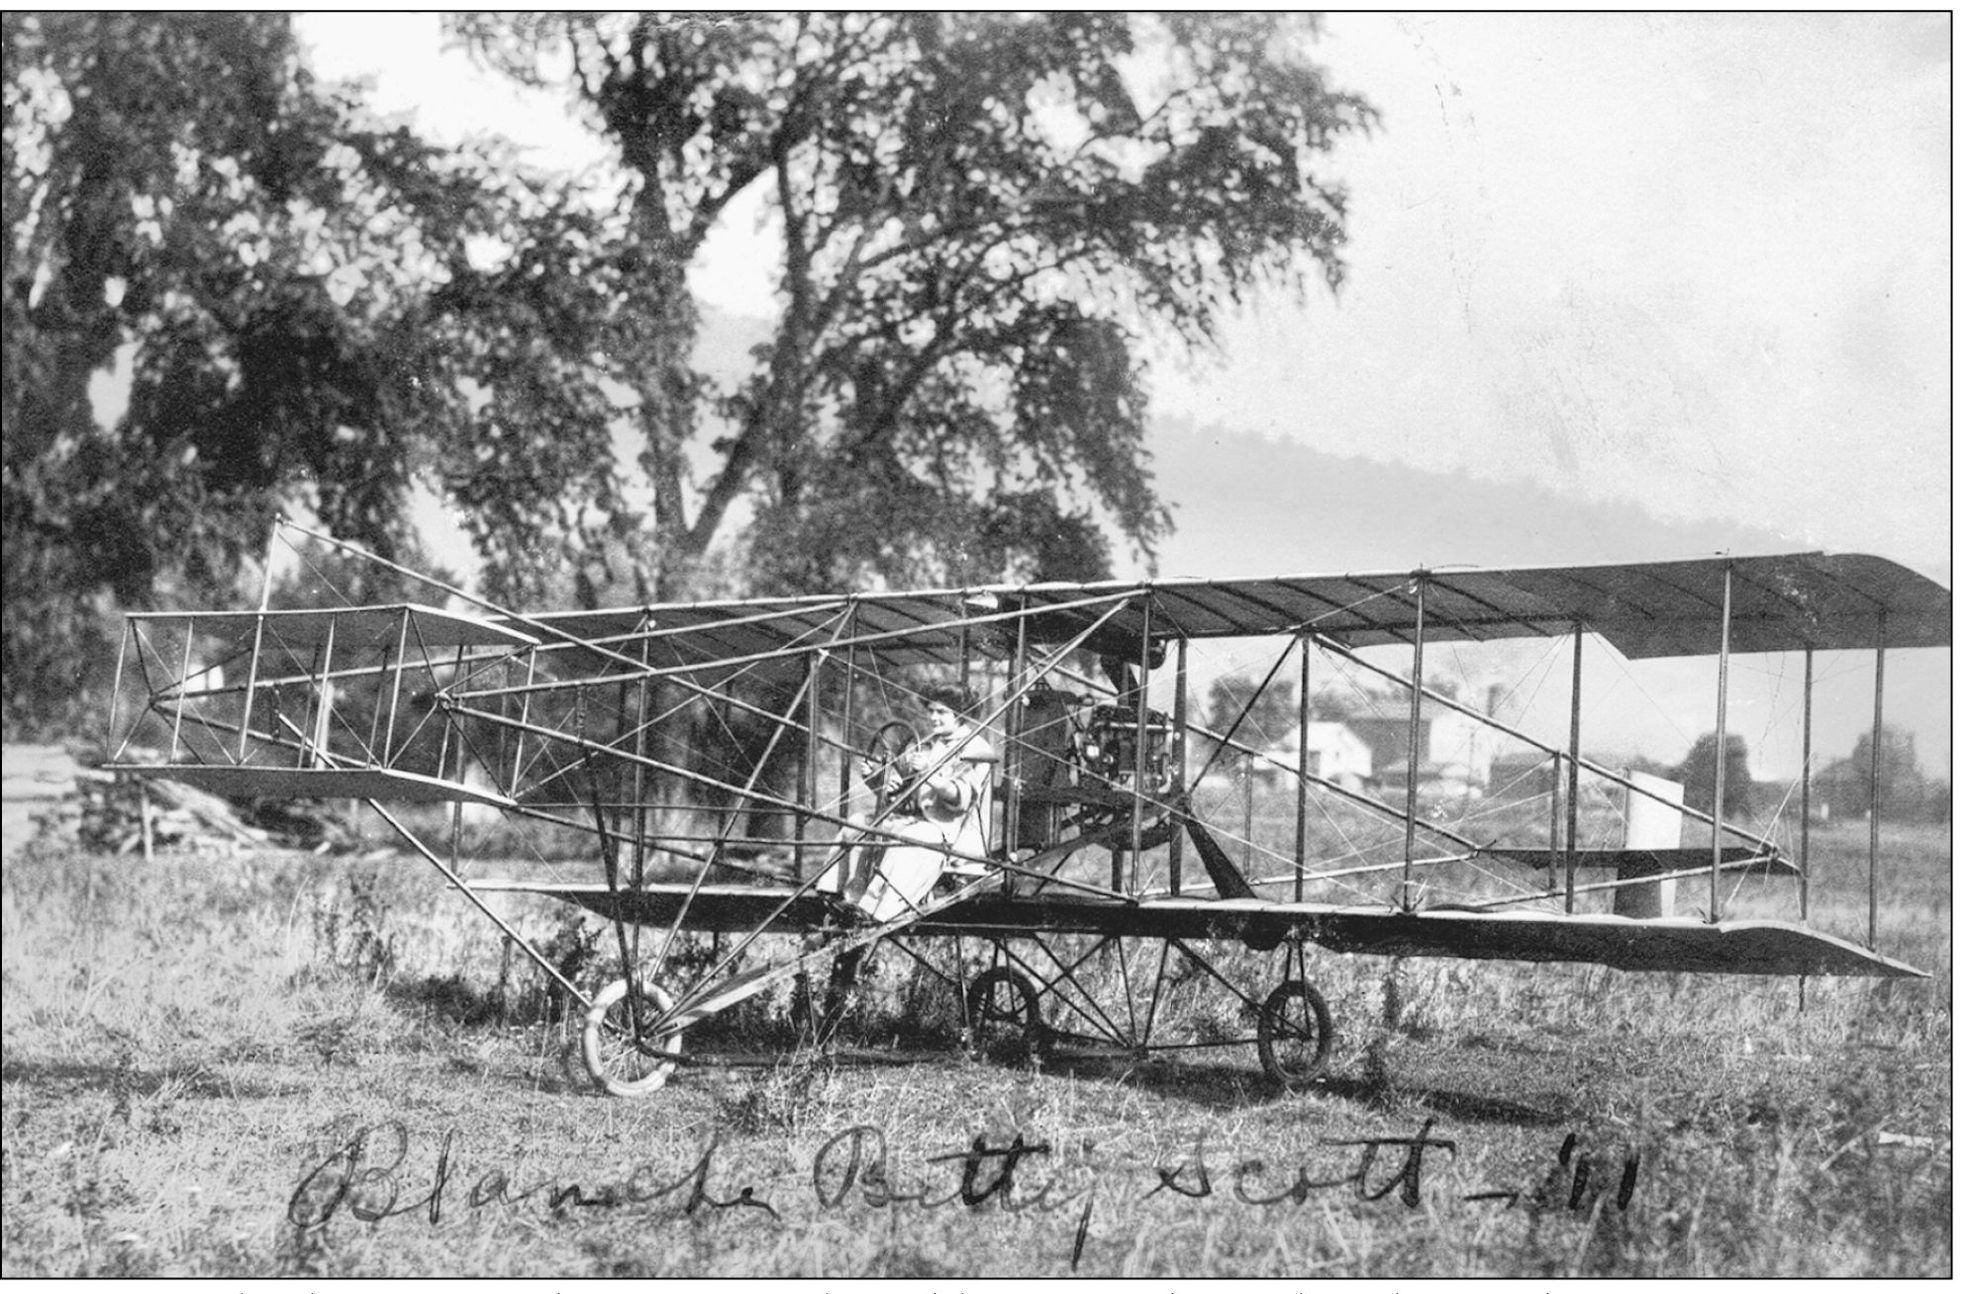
(1067, 816)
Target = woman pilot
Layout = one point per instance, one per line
(942, 790)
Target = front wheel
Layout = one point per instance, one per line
(624, 1049)
(1294, 1035)
(1002, 1010)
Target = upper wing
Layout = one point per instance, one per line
(1648, 609)
(352, 629)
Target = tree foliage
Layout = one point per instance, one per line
(977, 219)
(975, 216)
(312, 308)
(1903, 794)
(1696, 774)
(1272, 713)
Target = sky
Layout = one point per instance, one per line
(1697, 262)
(1701, 261)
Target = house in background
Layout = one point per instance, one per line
(1333, 751)
(1457, 750)
(1364, 746)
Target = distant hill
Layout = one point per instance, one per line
(1249, 505)
(1246, 504)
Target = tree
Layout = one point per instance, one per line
(1272, 715)
(313, 307)
(1901, 786)
(1696, 774)
(975, 215)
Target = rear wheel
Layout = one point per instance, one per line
(624, 1049)
(1002, 1009)
(1294, 1035)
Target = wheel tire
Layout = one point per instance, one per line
(615, 1061)
(1294, 1035)
(1002, 1009)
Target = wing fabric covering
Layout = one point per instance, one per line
(1786, 602)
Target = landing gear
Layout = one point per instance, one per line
(819, 1016)
(1294, 1035)
(1002, 1009)
(626, 1050)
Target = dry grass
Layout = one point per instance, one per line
(184, 1042)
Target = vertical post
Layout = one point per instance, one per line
(1304, 767)
(1720, 744)
(266, 571)
(847, 724)
(1140, 746)
(1803, 853)
(252, 679)
(525, 708)
(1577, 753)
(1015, 715)
(1176, 838)
(259, 631)
(109, 743)
(325, 705)
(1249, 810)
(1877, 744)
(177, 712)
(1413, 746)
(444, 734)
(617, 796)
(809, 763)
(736, 816)
(1556, 809)
(457, 801)
(396, 687)
(640, 786)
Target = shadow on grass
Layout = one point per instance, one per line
(1502, 1086)
(451, 999)
(1472, 1107)
(1524, 1087)
(1220, 1087)
(448, 997)
(1227, 1087)
(190, 1081)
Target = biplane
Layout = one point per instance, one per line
(721, 760)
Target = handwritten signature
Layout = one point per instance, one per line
(1406, 1178)
(362, 1176)
(366, 1177)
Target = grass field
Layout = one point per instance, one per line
(277, 1065)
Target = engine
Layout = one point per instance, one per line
(1109, 747)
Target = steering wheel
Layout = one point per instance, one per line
(884, 749)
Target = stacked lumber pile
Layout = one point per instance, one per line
(124, 814)
(38, 791)
(48, 792)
